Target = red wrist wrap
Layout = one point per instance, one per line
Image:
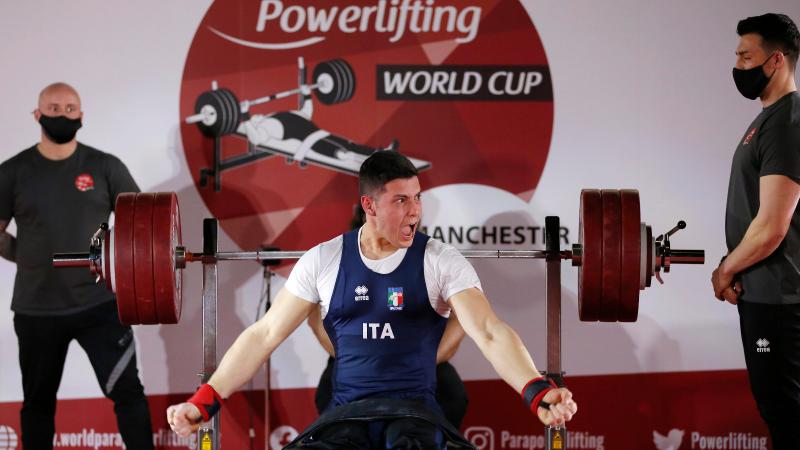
(207, 400)
(534, 391)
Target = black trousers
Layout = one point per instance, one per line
(43, 343)
(451, 394)
(771, 340)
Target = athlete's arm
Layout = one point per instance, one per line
(8, 243)
(315, 322)
(246, 355)
(503, 348)
(258, 341)
(778, 197)
(497, 341)
(451, 339)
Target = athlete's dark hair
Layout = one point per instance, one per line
(778, 32)
(382, 167)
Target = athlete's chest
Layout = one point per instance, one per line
(401, 295)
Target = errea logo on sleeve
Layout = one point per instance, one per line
(762, 346)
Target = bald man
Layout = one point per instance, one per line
(57, 191)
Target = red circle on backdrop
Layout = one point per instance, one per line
(499, 143)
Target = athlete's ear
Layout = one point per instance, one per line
(368, 205)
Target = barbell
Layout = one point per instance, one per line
(218, 111)
(141, 258)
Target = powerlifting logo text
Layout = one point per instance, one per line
(394, 17)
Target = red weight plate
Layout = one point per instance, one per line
(166, 237)
(590, 236)
(612, 255)
(143, 258)
(643, 257)
(630, 275)
(650, 255)
(122, 259)
(107, 255)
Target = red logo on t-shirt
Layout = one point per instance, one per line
(84, 182)
(749, 137)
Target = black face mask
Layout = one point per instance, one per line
(60, 129)
(751, 82)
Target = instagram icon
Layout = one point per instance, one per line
(481, 437)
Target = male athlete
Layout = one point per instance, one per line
(385, 292)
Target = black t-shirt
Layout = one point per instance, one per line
(770, 146)
(58, 206)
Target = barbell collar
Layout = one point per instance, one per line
(72, 260)
(677, 256)
(180, 257)
(576, 255)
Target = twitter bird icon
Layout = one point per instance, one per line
(672, 441)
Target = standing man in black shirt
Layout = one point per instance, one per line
(58, 191)
(761, 272)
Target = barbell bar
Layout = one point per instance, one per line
(141, 258)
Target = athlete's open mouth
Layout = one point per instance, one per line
(408, 230)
